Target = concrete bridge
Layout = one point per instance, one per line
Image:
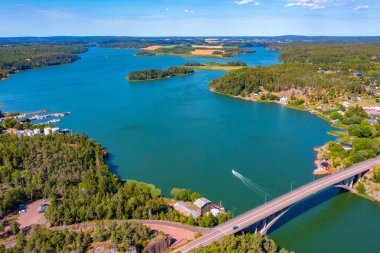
(263, 217)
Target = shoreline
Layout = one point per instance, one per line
(316, 149)
(157, 79)
(43, 67)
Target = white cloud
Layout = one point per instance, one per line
(246, 2)
(361, 7)
(189, 11)
(167, 9)
(241, 2)
(311, 4)
(321, 4)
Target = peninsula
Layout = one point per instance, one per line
(22, 56)
(157, 74)
(228, 66)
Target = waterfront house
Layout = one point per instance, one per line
(325, 166)
(186, 210)
(202, 205)
(346, 146)
(47, 130)
(55, 130)
(37, 131)
(284, 100)
(215, 212)
(28, 132)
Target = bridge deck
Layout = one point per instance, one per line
(272, 207)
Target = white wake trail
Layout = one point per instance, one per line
(249, 183)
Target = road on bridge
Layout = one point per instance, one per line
(261, 212)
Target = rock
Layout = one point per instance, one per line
(159, 244)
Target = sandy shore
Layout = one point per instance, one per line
(151, 48)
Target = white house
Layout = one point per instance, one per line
(346, 104)
(28, 132)
(284, 100)
(215, 212)
(55, 130)
(47, 130)
(37, 131)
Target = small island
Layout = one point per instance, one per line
(158, 74)
(145, 53)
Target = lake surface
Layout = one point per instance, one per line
(176, 133)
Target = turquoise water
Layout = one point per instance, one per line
(176, 133)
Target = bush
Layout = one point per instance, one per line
(184, 194)
(360, 188)
(376, 176)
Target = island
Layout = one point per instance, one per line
(157, 74)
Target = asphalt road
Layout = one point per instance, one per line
(261, 212)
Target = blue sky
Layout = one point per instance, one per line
(189, 18)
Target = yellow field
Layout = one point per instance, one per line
(210, 47)
(151, 48)
(204, 52)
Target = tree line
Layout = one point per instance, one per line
(308, 78)
(15, 57)
(156, 74)
(330, 53)
(243, 243)
(122, 235)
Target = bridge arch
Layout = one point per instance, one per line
(345, 187)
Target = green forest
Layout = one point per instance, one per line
(71, 171)
(177, 49)
(157, 74)
(145, 53)
(254, 243)
(309, 68)
(331, 53)
(362, 136)
(14, 57)
(124, 235)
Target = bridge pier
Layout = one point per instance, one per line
(348, 183)
(276, 217)
(265, 224)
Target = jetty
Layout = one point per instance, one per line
(23, 115)
(39, 117)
